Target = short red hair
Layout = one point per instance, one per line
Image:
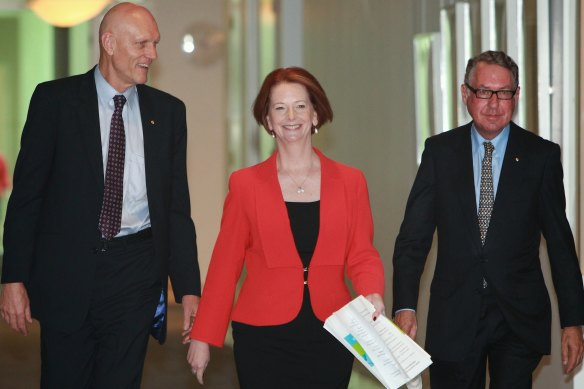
(318, 99)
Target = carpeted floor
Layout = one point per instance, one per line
(165, 367)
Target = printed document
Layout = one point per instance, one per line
(389, 354)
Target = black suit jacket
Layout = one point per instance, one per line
(51, 222)
(529, 201)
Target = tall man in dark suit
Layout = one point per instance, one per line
(490, 189)
(100, 214)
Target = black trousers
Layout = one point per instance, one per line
(108, 351)
(511, 362)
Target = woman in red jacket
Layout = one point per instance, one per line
(297, 221)
(4, 176)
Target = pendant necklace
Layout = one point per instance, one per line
(300, 188)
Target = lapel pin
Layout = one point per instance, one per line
(516, 159)
(152, 122)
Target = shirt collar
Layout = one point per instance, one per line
(106, 92)
(499, 142)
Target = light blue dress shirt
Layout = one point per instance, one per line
(135, 214)
(478, 153)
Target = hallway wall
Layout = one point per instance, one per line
(203, 90)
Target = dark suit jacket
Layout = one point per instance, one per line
(255, 230)
(52, 217)
(529, 201)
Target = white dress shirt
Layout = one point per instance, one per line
(135, 214)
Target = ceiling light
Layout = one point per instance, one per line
(67, 13)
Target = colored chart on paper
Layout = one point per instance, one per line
(358, 348)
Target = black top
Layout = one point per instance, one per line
(304, 223)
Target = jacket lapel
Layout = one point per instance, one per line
(273, 222)
(511, 177)
(331, 245)
(150, 117)
(466, 188)
(89, 125)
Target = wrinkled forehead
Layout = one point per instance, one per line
(485, 73)
(136, 19)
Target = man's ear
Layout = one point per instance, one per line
(108, 42)
(464, 92)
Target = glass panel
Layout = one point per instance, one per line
(268, 38)
(464, 49)
(235, 83)
(423, 89)
(448, 87)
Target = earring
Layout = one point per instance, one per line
(315, 130)
(273, 134)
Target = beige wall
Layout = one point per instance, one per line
(202, 88)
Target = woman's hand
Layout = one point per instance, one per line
(198, 357)
(377, 301)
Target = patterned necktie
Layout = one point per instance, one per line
(110, 218)
(487, 196)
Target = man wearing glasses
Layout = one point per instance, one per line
(490, 189)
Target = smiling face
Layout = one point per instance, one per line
(128, 41)
(490, 116)
(291, 115)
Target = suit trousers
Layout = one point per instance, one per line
(108, 351)
(511, 362)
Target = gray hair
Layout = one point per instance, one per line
(493, 58)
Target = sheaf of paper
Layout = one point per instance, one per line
(391, 356)
(339, 331)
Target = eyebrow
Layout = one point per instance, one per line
(295, 102)
(490, 88)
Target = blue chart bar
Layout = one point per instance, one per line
(357, 346)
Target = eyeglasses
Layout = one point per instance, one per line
(487, 93)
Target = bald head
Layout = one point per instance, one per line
(122, 13)
(128, 35)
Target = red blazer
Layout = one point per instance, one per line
(255, 231)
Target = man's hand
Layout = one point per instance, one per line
(190, 304)
(572, 348)
(15, 306)
(406, 320)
